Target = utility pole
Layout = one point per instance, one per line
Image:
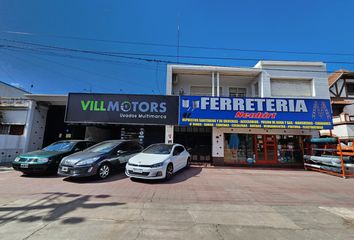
(178, 38)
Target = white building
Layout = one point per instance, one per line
(267, 79)
(341, 88)
(22, 123)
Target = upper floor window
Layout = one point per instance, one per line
(256, 89)
(7, 129)
(350, 88)
(237, 92)
(291, 87)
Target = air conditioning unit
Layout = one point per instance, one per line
(174, 78)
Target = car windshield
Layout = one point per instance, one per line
(60, 146)
(103, 147)
(158, 149)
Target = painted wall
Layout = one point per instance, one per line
(340, 83)
(349, 109)
(10, 147)
(316, 73)
(8, 91)
(32, 137)
(35, 127)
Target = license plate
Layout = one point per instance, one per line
(24, 165)
(137, 170)
(65, 169)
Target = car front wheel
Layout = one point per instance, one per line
(103, 171)
(169, 171)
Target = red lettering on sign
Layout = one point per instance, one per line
(264, 115)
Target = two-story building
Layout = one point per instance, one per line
(341, 89)
(235, 128)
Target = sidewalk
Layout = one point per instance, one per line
(5, 167)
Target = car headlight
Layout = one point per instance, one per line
(87, 161)
(157, 165)
(42, 160)
(17, 159)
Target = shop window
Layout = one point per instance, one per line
(238, 148)
(289, 149)
(237, 92)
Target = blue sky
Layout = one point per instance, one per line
(296, 26)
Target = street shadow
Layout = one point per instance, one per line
(33, 175)
(51, 207)
(180, 176)
(115, 176)
(296, 168)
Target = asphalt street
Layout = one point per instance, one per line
(198, 203)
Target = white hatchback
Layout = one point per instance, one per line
(158, 161)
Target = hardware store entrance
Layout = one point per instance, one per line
(263, 149)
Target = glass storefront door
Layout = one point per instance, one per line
(266, 149)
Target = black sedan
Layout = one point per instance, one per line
(100, 159)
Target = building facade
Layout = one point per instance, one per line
(341, 89)
(246, 144)
(22, 123)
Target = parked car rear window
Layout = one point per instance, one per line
(60, 146)
(103, 147)
(158, 149)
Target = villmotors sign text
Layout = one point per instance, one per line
(125, 106)
(122, 108)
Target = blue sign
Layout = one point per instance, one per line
(277, 113)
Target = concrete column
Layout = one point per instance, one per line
(218, 146)
(28, 126)
(212, 84)
(218, 84)
(169, 80)
(169, 133)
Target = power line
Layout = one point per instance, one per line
(182, 46)
(56, 54)
(171, 62)
(124, 54)
(115, 54)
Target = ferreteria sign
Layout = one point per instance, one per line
(280, 113)
(122, 108)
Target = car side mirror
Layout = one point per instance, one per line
(175, 153)
(77, 149)
(119, 152)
